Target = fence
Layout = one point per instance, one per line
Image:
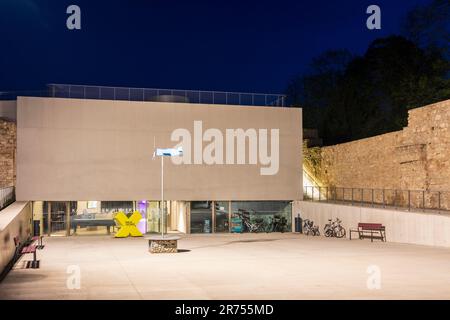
(7, 196)
(391, 198)
(169, 95)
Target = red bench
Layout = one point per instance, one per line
(24, 249)
(370, 230)
(39, 240)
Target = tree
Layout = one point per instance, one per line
(349, 98)
(429, 26)
(314, 90)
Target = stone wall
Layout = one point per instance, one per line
(415, 158)
(7, 153)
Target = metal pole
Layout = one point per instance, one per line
(162, 196)
(372, 198)
(439, 202)
(423, 200)
(409, 200)
(68, 218)
(395, 199)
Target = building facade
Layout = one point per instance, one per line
(80, 161)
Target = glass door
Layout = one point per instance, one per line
(221, 211)
(201, 217)
(54, 219)
(153, 217)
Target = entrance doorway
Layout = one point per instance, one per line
(55, 216)
(222, 216)
(201, 217)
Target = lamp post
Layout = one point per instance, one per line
(165, 153)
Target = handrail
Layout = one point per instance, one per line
(7, 196)
(398, 199)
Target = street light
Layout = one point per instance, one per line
(170, 152)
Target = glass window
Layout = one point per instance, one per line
(222, 217)
(201, 217)
(259, 216)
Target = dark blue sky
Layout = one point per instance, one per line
(252, 46)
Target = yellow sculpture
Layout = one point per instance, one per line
(128, 226)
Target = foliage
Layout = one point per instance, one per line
(350, 97)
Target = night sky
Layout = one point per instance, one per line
(249, 46)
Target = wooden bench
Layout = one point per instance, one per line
(370, 230)
(24, 249)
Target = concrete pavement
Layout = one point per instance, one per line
(232, 266)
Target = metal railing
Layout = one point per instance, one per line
(7, 196)
(169, 95)
(397, 199)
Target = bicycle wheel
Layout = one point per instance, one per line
(328, 232)
(340, 232)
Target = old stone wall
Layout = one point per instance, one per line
(7, 153)
(416, 158)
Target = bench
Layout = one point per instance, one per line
(32, 239)
(39, 240)
(24, 249)
(370, 230)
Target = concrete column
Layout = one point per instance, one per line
(38, 214)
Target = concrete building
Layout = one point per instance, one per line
(85, 153)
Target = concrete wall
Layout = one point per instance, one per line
(415, 158)
(15, 220)
(7, 153)
(79, 149)
(401, 226)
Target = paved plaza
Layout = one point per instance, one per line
(232, 266)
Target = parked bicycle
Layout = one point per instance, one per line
(277, 224)
(334, 229)
(252, 226)
(309, 228)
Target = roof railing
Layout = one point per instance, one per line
(165, 95)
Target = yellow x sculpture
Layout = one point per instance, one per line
(128, 226)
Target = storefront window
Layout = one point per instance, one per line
(263, 216)
(97, 217)
(201, 217)
(222, 216)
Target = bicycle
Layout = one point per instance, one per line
(255, 227)
(310, 229)
(277, 224)
(334, 229)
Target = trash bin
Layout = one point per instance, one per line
(36, 228)
(298, 224)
